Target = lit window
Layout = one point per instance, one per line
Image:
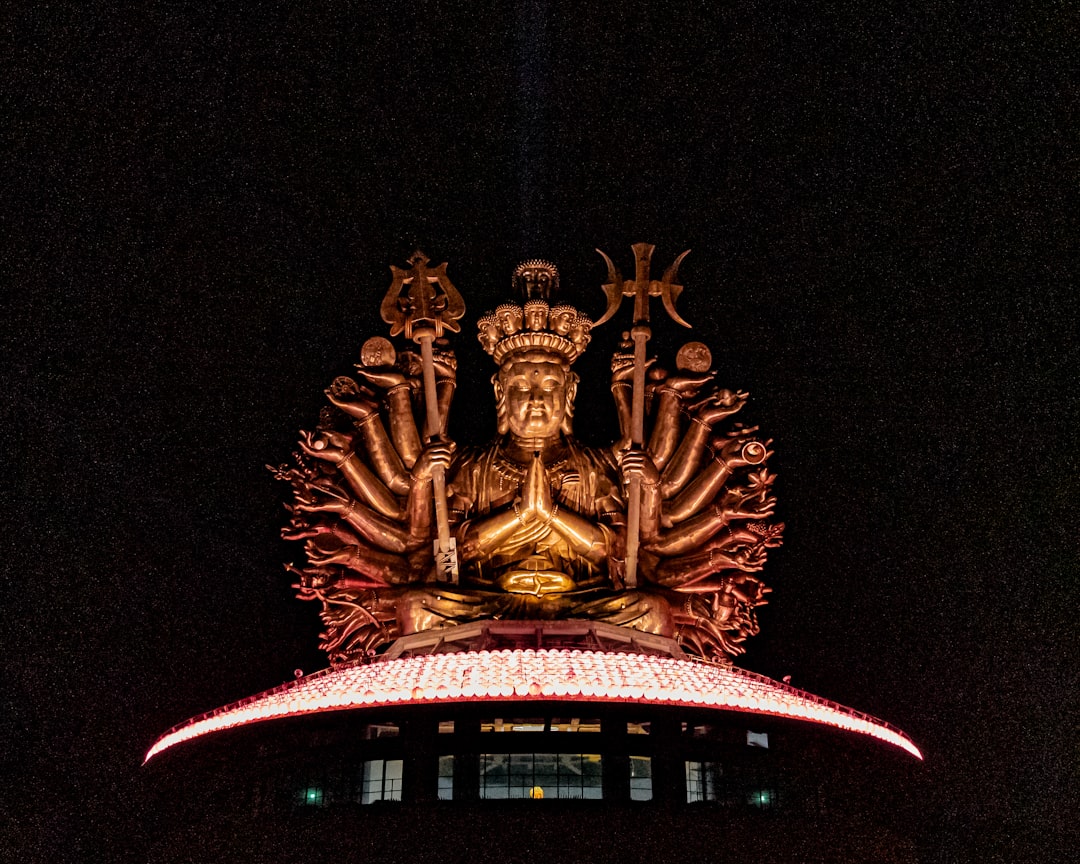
(446, 778)
(540, 775)
(382, 730)
(382, 781)
(311, 796)
(574, 724)
(446, 727)
(540, 724)
(640, 778)
(703, 781)
(763, 798)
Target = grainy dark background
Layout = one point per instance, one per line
(201, 201)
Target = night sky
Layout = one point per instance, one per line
(202, 202)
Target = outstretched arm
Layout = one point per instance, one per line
(346, 395)
(730, 454)
(687, 459)
(696, 531)
(399, 407)
(337, 449)
(665, 433)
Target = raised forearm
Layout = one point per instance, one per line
(481, 536)
(403, 424)
(665, 433)
(690, 534)
(444, 389)
(622, 393)
(384, 458)
(366, 485)
(584, 537)
(684, 464)
(382, 532)
(701, 490)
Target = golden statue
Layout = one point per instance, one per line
(406, 532)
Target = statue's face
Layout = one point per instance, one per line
(537, 282)
(534, 391)
(562, 321)
(536, 317)
(488, 335)
(509, 321)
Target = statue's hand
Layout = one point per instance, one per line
(637, 463)
(746, 510)
(445, 365)
(331, 505)
(439, 453)
(384, 378)
(536, 499)
(737, 452)
(320, 557)
(624, 370)
(329, 446)
(721, 404)
(688, 386)
(350, 398)
(299, 529)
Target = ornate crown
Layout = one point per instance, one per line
(513, 329)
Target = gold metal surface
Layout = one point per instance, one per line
(537, 522)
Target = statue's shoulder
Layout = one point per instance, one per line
(594, 456)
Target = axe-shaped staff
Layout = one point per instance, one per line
(424, 314)
(641, 289)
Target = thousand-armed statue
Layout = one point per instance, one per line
(405, 530)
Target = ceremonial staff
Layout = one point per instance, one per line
(641, 289)
(424, 314)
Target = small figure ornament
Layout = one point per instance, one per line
(406, 531)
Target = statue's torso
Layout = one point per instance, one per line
(584, 480)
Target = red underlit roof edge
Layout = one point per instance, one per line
(524, 675)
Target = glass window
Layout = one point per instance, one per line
(540, 724)
(311, 796)
(703, 781)
(574, 724)
(640, 778)
(446, 778)
(638, 728)
(382, 781)
(446, 727)
(540, 775)
(382, 730)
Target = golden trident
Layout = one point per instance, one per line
(641, 288)
(424, 314)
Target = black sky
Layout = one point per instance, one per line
(202, 201)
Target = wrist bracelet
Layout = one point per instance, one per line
(517, 512)
(345, 458)
(552, 515)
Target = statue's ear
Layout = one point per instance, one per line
(503, 425)
(567, 426)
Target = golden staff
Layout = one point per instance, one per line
(641, 289)
(424, 314)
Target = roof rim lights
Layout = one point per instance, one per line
(524, 675)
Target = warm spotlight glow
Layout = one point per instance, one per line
(531, 675)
